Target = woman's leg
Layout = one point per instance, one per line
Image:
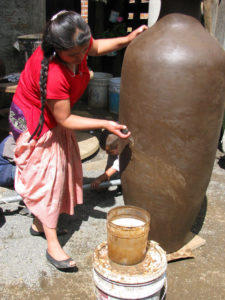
(54, 248)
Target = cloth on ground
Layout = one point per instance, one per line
(186, 251)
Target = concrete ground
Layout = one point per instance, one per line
(25, 273)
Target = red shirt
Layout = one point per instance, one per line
(61, 84)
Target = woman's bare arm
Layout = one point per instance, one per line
(62, 114)
(103, 46)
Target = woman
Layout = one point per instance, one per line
(49, 172)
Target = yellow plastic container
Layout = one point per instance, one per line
(127, 234)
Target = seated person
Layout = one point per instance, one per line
(109, 143)
(7, 165)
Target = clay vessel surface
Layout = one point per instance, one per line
(172, 100)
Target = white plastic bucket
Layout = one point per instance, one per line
(109, 290)
(98, 90)
(114, 94)
(144, 281)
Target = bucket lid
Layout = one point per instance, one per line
(152, 267)
(114, 80)
(34, 36)
(101, 75)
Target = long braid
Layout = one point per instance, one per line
(43, 83)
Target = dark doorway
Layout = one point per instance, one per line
(53, 6)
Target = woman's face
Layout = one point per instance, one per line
(74, 55)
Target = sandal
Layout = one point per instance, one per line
(60, 264)
(42, 234)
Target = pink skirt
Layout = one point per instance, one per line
(49, 174)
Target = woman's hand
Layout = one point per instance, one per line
(103, 46)
(136, 32)
(62, 114)
(116, 128)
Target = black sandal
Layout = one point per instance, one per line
(42, 234)
(60, 264)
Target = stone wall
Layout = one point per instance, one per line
(18, 17)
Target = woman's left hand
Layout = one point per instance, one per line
(137, 31)
(103, 46)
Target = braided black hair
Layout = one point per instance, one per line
(59, 34)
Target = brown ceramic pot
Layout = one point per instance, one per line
(172, 99)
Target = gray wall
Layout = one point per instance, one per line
(219, 22)
(214, 17)
(18, 17)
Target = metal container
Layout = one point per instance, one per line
(127, 234)
(28, 43)
(98, 90)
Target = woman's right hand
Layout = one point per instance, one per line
(62, 113)
(116, 128)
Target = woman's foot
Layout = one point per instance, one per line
(42, 234)
(36, 229)
(36, 233)
(58, 255)
(61, 264)
(37, 226)
(55, 253)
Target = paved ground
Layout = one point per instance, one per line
(25, 274)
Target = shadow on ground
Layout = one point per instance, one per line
(92, 199)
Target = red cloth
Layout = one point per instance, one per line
(61, 84)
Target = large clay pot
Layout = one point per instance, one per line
(172, 99)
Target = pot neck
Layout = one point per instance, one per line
(188, 7)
